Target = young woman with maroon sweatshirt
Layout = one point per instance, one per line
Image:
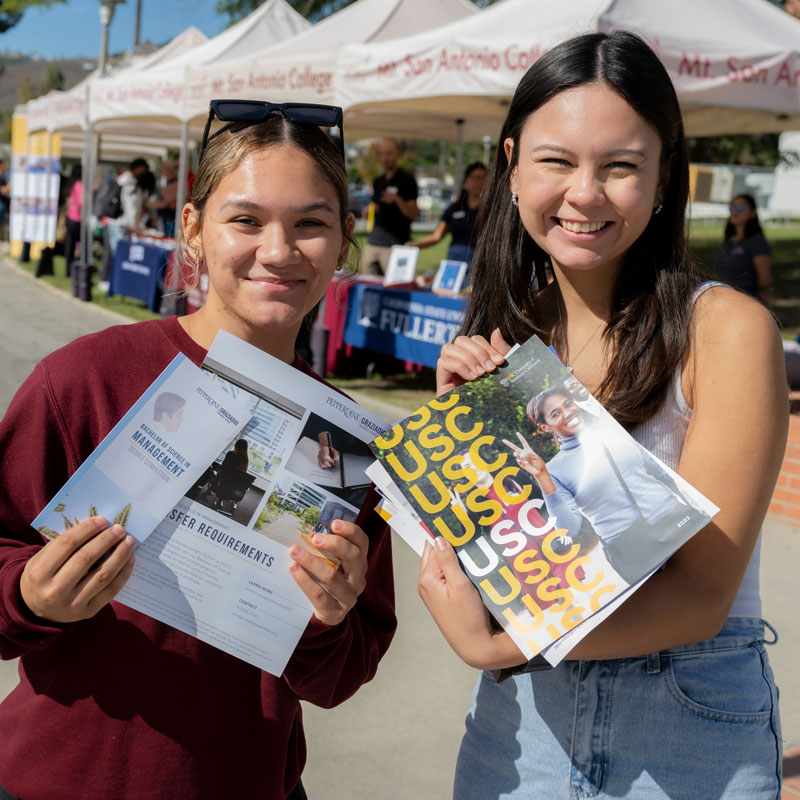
(111, 703)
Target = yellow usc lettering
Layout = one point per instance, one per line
(429, 440)
(420, 462)
(388, 443)
(547, 591)
(445, 402)
(530, 561)
(477, 459)
(512, 587)
(500, 491)
(463, 518)
(477, 502)
(424, 415)
(547, 547)
(455, 431)
(432, 506)
(455, 470)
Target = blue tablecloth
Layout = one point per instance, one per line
(137, 271)
(411, 326)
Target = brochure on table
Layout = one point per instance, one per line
(151, 456)
(450, 276)
(402, 265)
(555, 526)
(217, 567)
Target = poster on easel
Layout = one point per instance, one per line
(35, 183)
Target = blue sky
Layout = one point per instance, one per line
(72, 29)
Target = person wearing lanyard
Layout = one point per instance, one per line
(460, 219)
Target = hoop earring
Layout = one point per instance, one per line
(657, 209)
(514, 200)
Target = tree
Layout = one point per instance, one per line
(11, 11)
(739, 149)
(52, 78)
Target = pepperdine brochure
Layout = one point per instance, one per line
(556, 513)
(151, 456)
(217, 566)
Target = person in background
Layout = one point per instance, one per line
(461, 218)
(5, 194)
(72, 214)
(164, 206)
(395, 198)
(745, 258)
(671, 697)
(131, 199)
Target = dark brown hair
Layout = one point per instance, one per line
(648, 332)
(752, 227)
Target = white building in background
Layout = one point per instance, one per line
(786, 193)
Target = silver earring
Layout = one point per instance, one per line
(657, 209)
(514, 200)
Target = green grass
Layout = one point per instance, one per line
(127, 306)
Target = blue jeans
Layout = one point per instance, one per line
(695, 722)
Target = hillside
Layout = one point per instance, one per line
(74, 70)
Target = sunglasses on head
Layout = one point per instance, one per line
(740, 207)
(254, 111)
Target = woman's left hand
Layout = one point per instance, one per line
(458, 610)
(333, 591)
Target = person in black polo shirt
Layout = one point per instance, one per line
(395, 198)
(460, 219)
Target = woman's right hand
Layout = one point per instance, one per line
(467, 358)
(63, 582)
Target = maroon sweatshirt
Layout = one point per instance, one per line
(120, 705)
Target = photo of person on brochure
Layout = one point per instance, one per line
(603, 478)
(528, 527)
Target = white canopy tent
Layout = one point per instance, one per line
(157, 92)
(302, 68)
(735, 65)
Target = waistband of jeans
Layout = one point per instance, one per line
(736, 632)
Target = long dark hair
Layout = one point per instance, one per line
(752, 227)
(647, 333)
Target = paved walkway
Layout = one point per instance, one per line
(398, 737)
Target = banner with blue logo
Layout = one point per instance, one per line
(411, 326)
(137, 272)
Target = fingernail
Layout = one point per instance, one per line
(118, 530)
(489, 364)
(295, 551)
(294, 567)
(130, 541)
(337, 525)
(318, 539)
(440, 542)
(101, 522)
(498, 358)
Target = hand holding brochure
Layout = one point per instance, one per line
(556, 513)
(217, 567)
(215, 473)
(151, 456)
